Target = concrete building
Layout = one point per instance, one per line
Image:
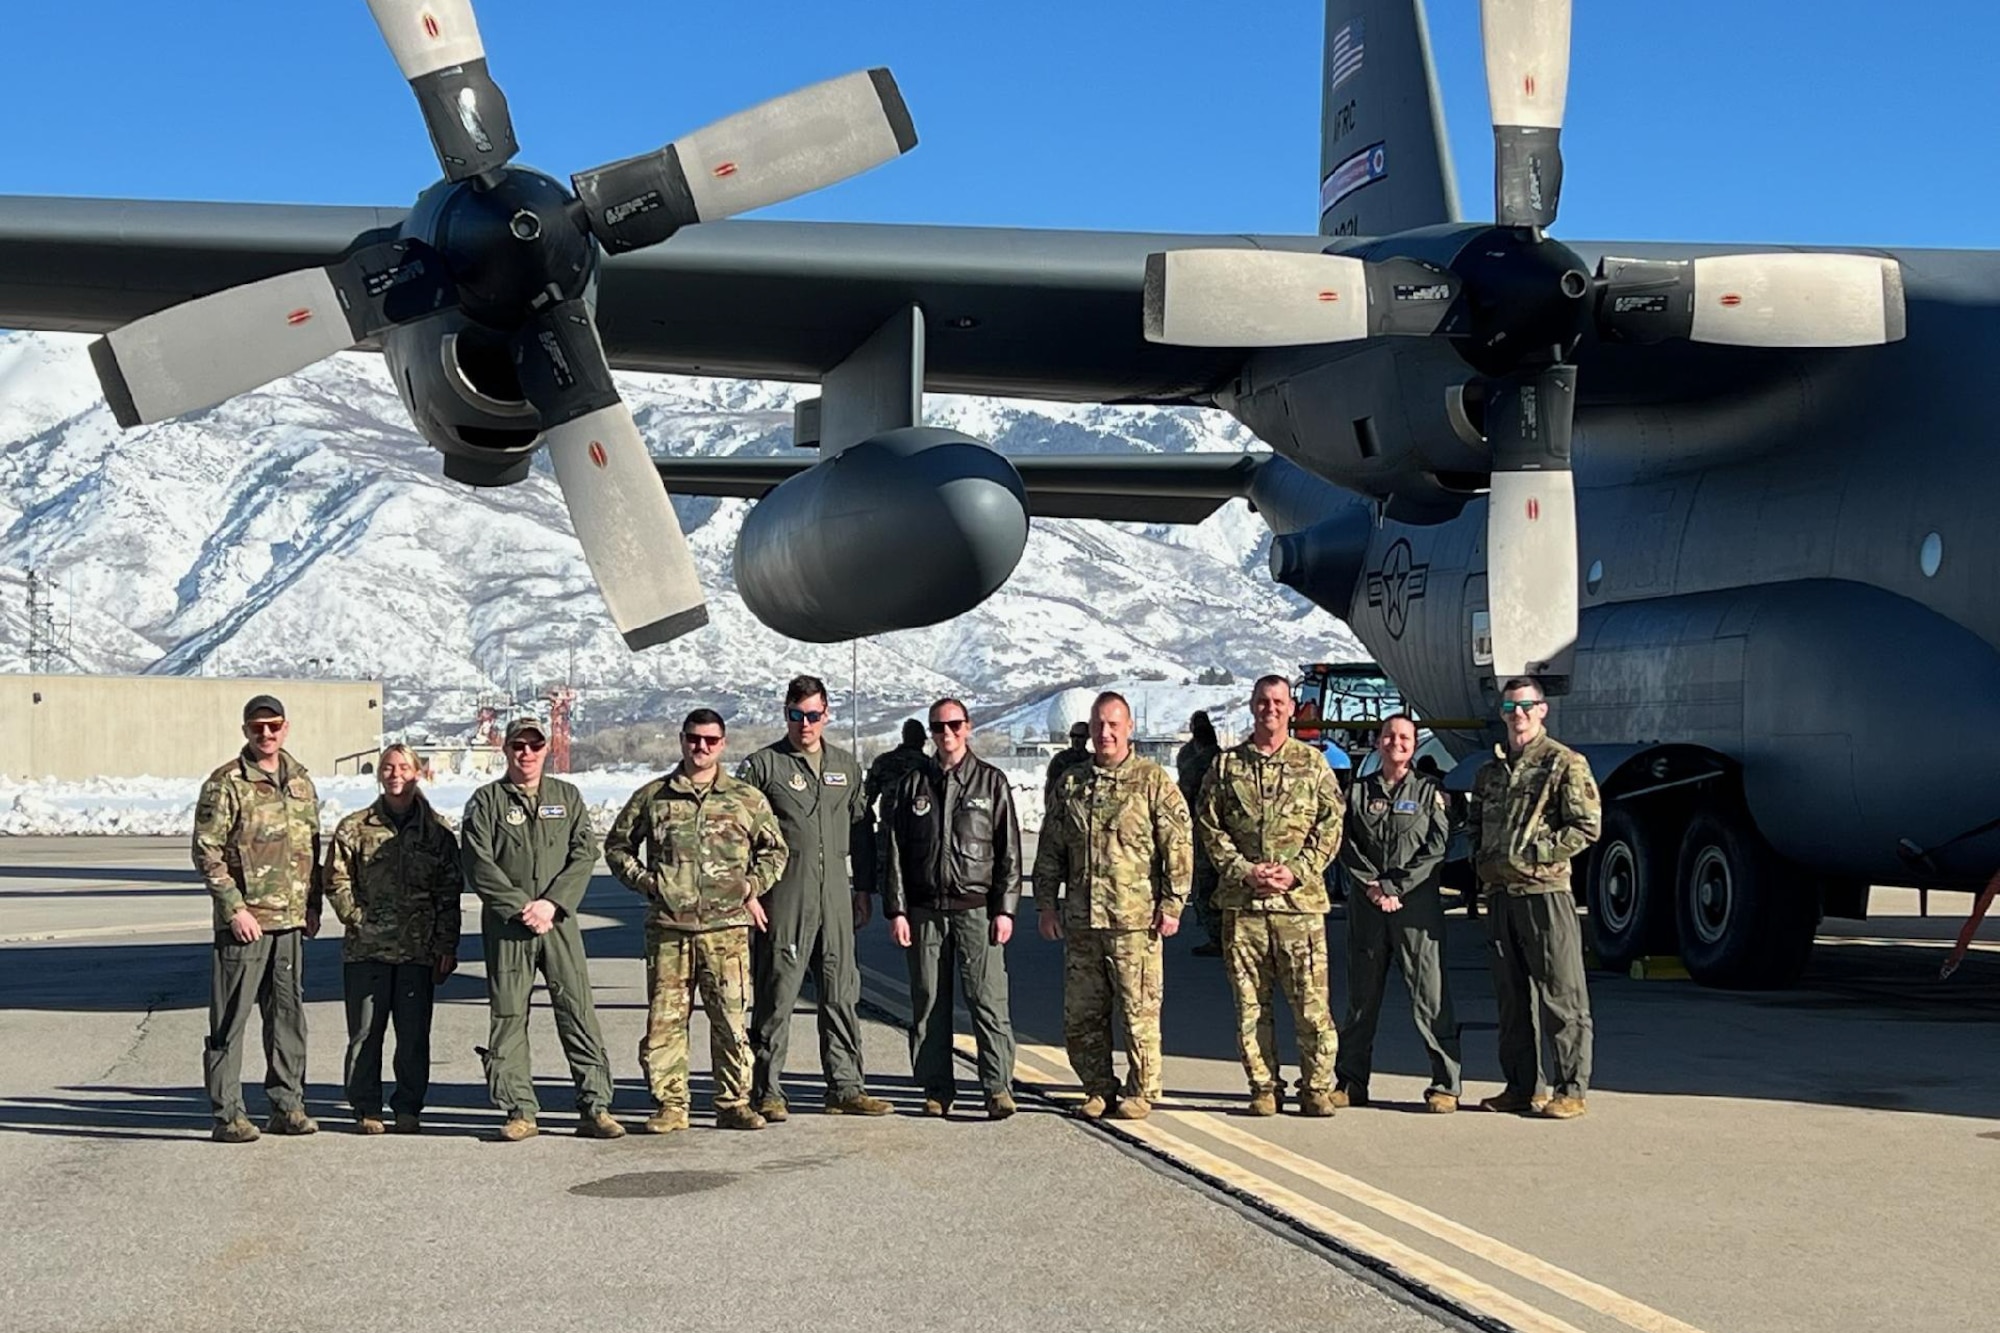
(71, 727)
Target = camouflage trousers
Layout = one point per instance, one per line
(677, 963)
(1284, 951)
(1100, 967)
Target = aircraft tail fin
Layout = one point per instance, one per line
(1384, 163)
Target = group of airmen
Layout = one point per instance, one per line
(755, 878)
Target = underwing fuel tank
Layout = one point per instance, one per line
(907, 528)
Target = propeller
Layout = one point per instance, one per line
(518, 254)
(1516, 303)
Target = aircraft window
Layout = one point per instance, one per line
(1595, 578)
(1931, 555)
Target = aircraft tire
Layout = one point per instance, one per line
(1629, 889)
(1745, 918)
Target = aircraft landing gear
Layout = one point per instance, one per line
(1628, 886)
(1746, 918)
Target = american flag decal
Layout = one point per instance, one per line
(1343, 60)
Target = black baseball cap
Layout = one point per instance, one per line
(263, 703)
(1079, 730)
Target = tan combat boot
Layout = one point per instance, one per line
(1316, 1102)
(1091, 1108)
(599, 1125)
(370, 1124)
(238, 1130)
(1563, 1108)
(293, 1122)
(738, 1117)
(1346, 1097)
(773, 1109)
(1132, 1108)
(518, 1128)
(936, 1109)
(1263, 1101)
(1000, 1105)
(1440, 1103)
(666, 1120)
(859, 1103)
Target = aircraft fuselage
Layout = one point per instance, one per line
(1787, 559)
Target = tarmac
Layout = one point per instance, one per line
(1816, 1158)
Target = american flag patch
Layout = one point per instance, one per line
(1343, 61)
(1364, 168)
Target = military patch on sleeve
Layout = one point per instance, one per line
(833, 778)
(552, 811)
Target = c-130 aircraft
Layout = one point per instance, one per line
(1656, 476)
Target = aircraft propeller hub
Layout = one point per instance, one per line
(1525, 300)
(510, 244)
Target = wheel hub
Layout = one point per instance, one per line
(1714, 894)
(1620, 878)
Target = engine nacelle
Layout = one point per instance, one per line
(904, 529)
(457, 380)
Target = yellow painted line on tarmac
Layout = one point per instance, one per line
(1460, 1286)
(1047, 1068)
(1497, 1252)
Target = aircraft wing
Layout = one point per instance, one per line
(1138, 488)
(1043, 314)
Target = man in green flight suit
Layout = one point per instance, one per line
(528, 850)
(393, 878)
(1534, 806)
(700, 847)
(1117, 846)
(816, 790)
(1270, 817)
(1397, 828)
(256, 844)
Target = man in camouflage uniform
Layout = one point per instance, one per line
(392, 876)
(1270, 817)
(1534, 806)
(700, 847)
(528, 850)
(1117, 835)
(1397, 829)
(815, 789)
(1064, 760)
(256, 844)
(1191, 766)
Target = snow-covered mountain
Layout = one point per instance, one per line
(306, 529)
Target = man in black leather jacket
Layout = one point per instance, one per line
(951, 878)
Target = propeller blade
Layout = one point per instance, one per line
(1531, 579)
(1276, 298)
(1527, 82)
(206, 351)
(436, 44)
(1785, 299)
(631, 536)
(779, 150)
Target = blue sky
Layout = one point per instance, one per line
(1724, 120)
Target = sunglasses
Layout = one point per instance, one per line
(271, 728)
(519, 746)
(948, 724)
(1518, 705)
(806, 715)
(699, 741)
